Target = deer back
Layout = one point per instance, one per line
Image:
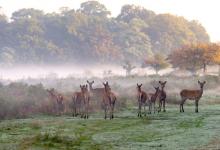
(191, 94)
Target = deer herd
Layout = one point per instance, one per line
(81, 99)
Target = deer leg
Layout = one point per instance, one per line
(105, 112)
(139, 110)
(154, 108)
(145, 109)
(164, 103)
(196, 103)
(88, 111)
(150, 105)
(159, 108)
(113, 106)
(181, 104)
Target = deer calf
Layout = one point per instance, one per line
(192, 95)
(152, 99)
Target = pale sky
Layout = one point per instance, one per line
(207, 12)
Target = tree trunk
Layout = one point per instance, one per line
(219, 70)
(204, 69)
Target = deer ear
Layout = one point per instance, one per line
(204, 82)
(103, 83)
(92, 81)
(165, 82)
(199, 82)
(137, 84)
(87, 81)
(141, 84)
(80, 86)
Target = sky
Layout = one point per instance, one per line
(205, 11)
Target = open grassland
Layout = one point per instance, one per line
(169, 130)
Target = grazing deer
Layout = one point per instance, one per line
(153, 98)
(81, 102)
(59, 100)
(162, 96)
(109, 99)
(192, 95)
(142, 100)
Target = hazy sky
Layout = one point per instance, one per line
(206, 11)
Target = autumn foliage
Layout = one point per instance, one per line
(193, 57)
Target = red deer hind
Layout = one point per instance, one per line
(142, 100)
(109, 99)
(59, 100)
(192, 95)
(153, 98)
(96, 93)
(162, 96)
(81, 102)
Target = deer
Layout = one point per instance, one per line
(108, 101)
(142, 98)
(192, 95)
(58, 98)
(96, 93)
(162, 96)
(81, 102)
(86, 101)
(153, 98)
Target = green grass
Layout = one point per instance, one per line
(169, 131)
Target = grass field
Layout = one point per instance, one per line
(170, 130)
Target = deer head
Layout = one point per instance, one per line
(201, 84)
(162, 84)
(90, 84)
(139, 87)
(107, 87)
(82, 87)
(156, 88)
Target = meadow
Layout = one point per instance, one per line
(27, 120)
(169, 130)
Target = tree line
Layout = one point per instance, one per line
(90, 35)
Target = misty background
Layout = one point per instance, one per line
(82, 39)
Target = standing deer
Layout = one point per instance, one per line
(96, 93)
(153, 98)
(142, 100)
(59, 107)
(109, 99)
(81, 102)
(192, 95)
(162, 96)
(86, 100)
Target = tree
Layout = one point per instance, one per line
(195, 56)
(128, 67)
(129, 12)
(94, 8)
(157, 62)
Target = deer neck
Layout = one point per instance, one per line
(90, 88)
(201, 91)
